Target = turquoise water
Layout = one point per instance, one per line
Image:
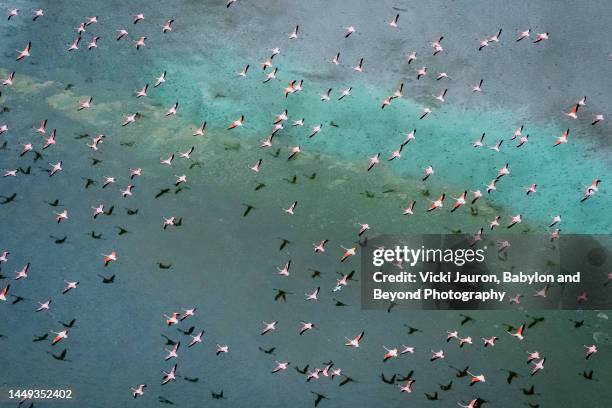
(225, 264)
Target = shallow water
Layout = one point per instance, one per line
(224, 263)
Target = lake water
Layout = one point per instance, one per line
(224, 263)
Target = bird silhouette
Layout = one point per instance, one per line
(319, 398)
(69, 324)
(110, 279)
(302, 370)
(407, 377)
(432, 397)
(217, 395)
(60, 356)
(388, 381)
(267, 351)
(529, 391)
(162, 192)
(8, 199)
(284, 243)
(281, 294)
(587, 375)
(247, 210)
(446, 387)
(40, 338)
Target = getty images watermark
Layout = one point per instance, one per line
(500, 271)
